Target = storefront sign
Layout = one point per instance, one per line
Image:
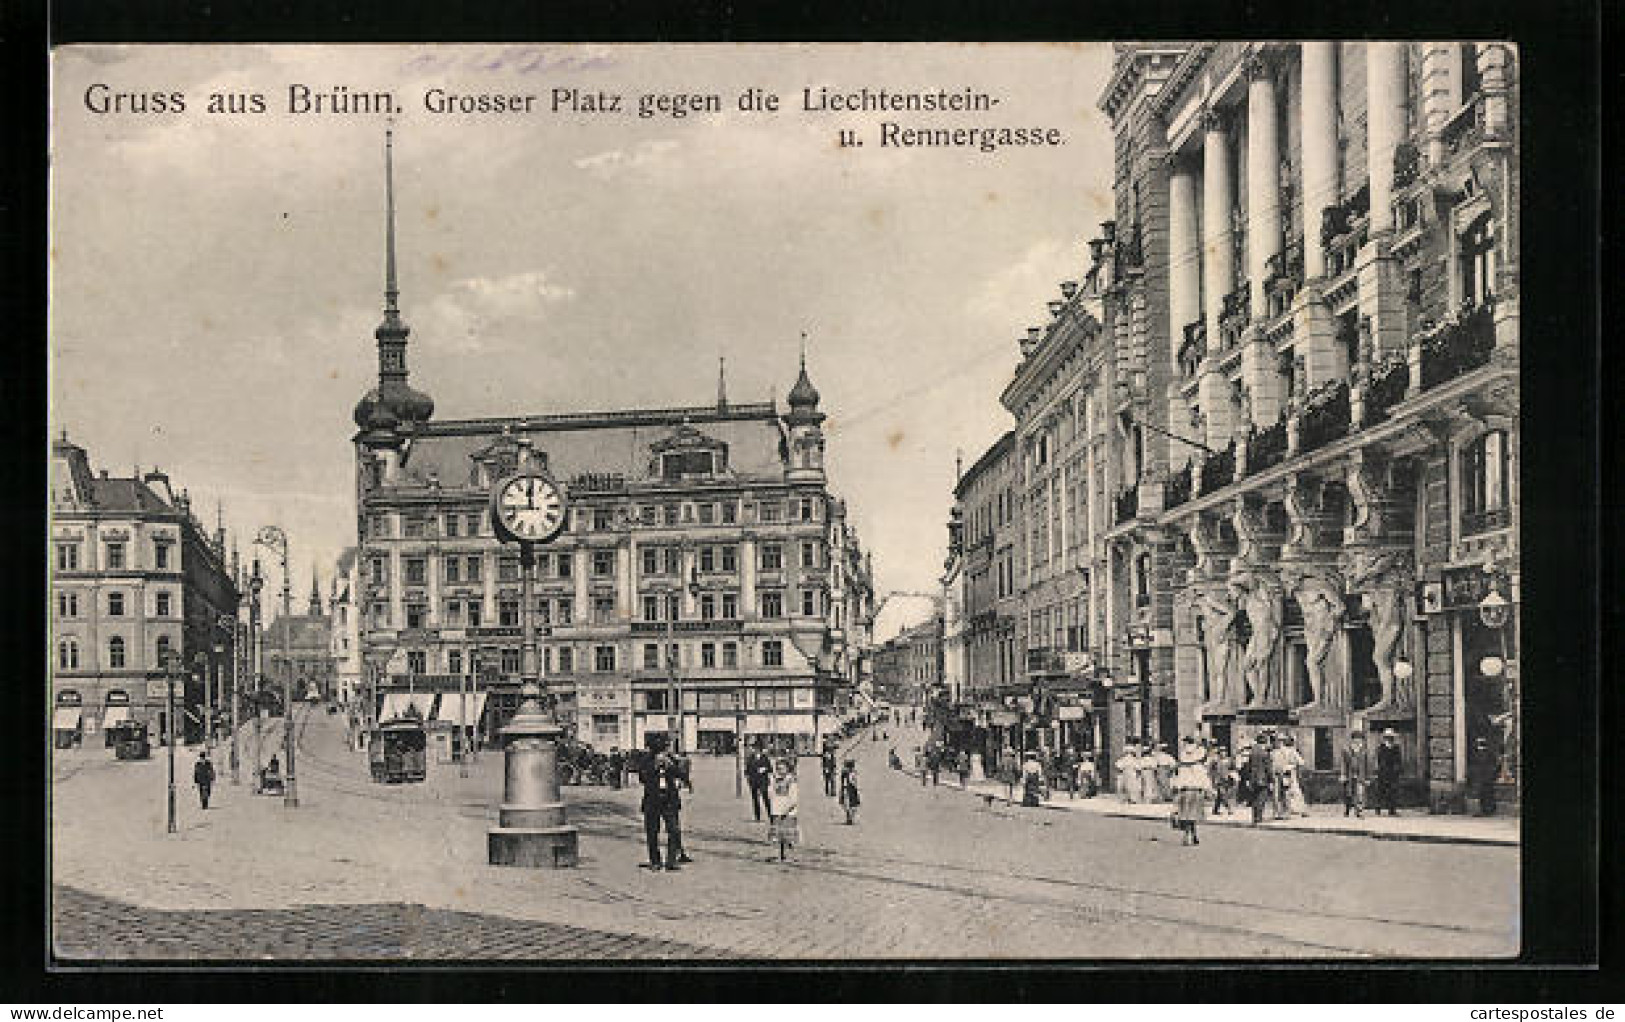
(118, 697)
(1457, 589)
(1070, 712)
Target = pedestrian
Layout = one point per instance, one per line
(934, 761)
(1191, 786)
(1482, 766)
(962, 767)
(1355, 773)
(784, 799)
(1277, 776)
(849, 791)
(203, 777)
(758, 770)
(1390, 763)
(1288, 762)
(1088, 777)
(1066, 771)
(893, 760)
(1128, 773)
(661, 805)
(1258, 776)
(919, 764)
(1032, 781)
(1145, 772)
(617, 766)
(1222, 772)
(828, 763)
(1162, 771)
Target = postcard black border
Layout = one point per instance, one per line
(1563, 369)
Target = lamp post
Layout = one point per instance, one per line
(1495, 612)
(273, 538)
(172, 667)
(256, 582)
(228, 671)
(529, 508)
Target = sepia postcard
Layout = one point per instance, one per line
(949, 502)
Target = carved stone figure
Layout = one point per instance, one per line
(1326, 645)
(1261, 598)
(1384, 582)
(1216, 609)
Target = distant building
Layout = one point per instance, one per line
(908, 667)
(345, 628)
(134, 578)
(299, 649)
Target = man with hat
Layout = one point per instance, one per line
(1389, 764)
(1482, 766)
(203, 777)
(1258, 775)
(1355, 773)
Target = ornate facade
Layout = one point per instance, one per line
(1330, 288)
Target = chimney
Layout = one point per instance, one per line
(1068, 289)
(1108, 231)
(1055, 307)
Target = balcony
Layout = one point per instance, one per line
(1386, 388)
(1219, 470)
(1283, 275)
(1267, 446)
(1192, 348)
(1343, 231)
(1126, 504)
(1466, 129)
(1325, 416)
(1234, 315)
(1459, 346)
(1178, 490)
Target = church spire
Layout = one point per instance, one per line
(722, 383)
(391, 291)
(393, 403)
(315, 609)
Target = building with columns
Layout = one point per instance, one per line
(134, 578)
(708, 581)
(1325, 335)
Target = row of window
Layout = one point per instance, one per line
(118, 604)
(456, 524)
(470, 613)
(656, 560)
(604, 658)
(68, 659)
(115, 555)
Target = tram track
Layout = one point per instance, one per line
(609, 819)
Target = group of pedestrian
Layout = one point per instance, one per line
(1145, 772)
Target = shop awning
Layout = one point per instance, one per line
(397, 703)
(66, 718)
(450, 708)
(114, 715)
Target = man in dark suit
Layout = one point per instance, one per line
(758, 771)
(1390, 763)
(1259, 778)
(661, 803)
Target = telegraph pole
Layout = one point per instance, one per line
(171, 667)
(274, 538)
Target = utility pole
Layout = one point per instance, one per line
(171, 668)
(229, 626)
(256, 582)
(274, 538)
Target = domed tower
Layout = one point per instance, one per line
(389, 412)
(805, 423)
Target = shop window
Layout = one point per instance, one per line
(1486, 481)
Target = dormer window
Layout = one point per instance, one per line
(678, 464)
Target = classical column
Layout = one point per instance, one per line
(1385, 126)
(1184, 253)
(625, 589)
(488, 584)
(1318, 123)
(1441, 93)
(578, 575)
(747, 576)
(1263, 180)
(1218, 269)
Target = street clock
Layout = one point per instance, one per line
(528, 507)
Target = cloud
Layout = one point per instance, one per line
(644, 156)
(485, 314)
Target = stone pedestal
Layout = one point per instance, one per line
(531, 829)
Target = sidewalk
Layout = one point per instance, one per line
(1410, 825)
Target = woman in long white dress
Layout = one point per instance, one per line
(1192, 786)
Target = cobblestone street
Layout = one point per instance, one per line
(361, 870)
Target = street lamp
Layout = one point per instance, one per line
(172, 667)
(256, 582)
(1495, 612)
(273, 538)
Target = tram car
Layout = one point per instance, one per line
(130, 740)
(396, 751)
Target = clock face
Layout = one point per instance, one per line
(531, 508)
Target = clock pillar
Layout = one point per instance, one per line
(531, 828)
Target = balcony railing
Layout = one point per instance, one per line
(1178, 490)
(1465, 129)
(1325, 416)
(1192, 348)
(1386, 388)
(1476, 522)
(1219, 470)
(1126, 504)
(1234, 315)
(1267, 446)
(1459, 346)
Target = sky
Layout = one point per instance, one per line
(216, 278)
